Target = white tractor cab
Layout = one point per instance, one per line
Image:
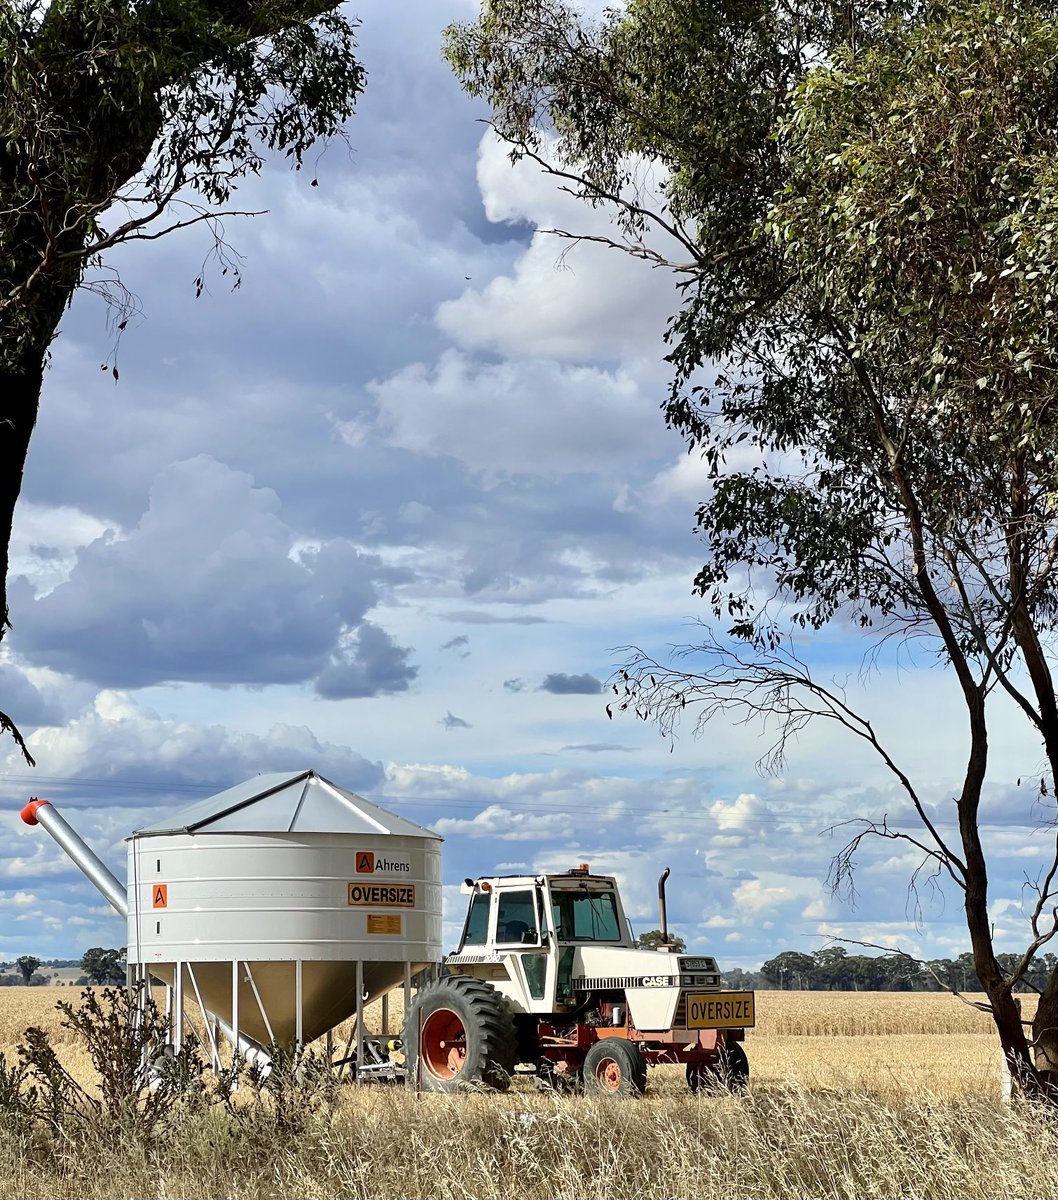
(548, 980)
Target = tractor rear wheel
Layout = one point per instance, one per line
(730, 1073)
(459, 1032)
(614, 1067)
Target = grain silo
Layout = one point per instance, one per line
(278, 907)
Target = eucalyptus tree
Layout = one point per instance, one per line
(27, 965)
(123, 121)
(860, 204)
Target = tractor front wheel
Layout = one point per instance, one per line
(615, 1067)
(459, 1031)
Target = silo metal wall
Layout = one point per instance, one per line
(270, 900)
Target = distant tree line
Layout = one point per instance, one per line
(834, 969)
(98, 965)
(24, 970)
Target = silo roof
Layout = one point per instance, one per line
(302, 802)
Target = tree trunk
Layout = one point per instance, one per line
(1006, 1014)
(1045, 1037)
(24, 343)
(20, 385)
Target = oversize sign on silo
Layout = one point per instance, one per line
(383, 895)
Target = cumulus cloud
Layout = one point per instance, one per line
(746, 816)
(207, 587)
(367, 662)
(45, 540)
(754, 896)
(531, 417)
(120, 741)
(561, 300)
(31, 703)
(571, 685)
(503, 824)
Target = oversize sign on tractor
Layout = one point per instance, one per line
(726, 1010)
(383, 895)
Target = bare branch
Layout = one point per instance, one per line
(772, 688)
(8, 726)
(596, 194)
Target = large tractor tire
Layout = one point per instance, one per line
(459, 1032)
(730, 1073)
(615, 1067)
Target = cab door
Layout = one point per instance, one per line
(521, 933)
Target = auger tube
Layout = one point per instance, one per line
(43, 813)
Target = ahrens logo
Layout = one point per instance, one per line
(370, 863)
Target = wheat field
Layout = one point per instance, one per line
(852, 1094)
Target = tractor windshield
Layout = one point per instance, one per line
(585, 916)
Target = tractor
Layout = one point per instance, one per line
(548, 981)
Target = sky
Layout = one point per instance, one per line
(390, 510)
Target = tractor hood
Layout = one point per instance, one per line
(598, 967)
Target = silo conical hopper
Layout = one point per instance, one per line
(284, 883)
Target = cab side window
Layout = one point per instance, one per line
(516, 921)
(476, 930)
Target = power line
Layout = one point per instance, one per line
(783, 816)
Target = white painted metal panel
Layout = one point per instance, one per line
(216, 897)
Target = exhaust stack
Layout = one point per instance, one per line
(663, 916)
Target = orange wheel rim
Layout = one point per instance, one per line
(443, 1044)
(608, 1073)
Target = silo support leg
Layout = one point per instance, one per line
(348, 1049)
(359, 1016)
(235, 1009)
(299, 1006)
(178, 1008)
(260, 1004)
(214, 1057)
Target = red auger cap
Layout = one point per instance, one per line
(29, 813)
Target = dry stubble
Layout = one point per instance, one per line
(855, 1094)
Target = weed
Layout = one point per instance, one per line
(138, 1082)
